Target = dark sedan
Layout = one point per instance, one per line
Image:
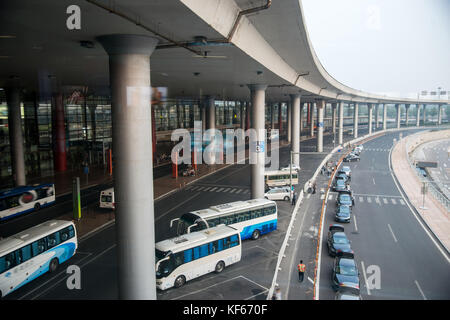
(345, 272)
(352, 157)
(340, 185)
(345, 198)
(337, 240)
(343, 214)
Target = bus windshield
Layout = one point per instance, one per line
(187, 220)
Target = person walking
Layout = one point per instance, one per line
(301, 271)
(314, 188)
(277, 294)
(294, 199)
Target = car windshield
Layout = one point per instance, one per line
(345, 198)
(347, 270)
(340, 182)
(340, 239)
(344, 209)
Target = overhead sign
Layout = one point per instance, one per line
(426, 164)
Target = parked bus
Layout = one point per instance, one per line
(107, 199)
(251, 217)
(31, 253)
(192, 255)
(20, 200)
(280, 178)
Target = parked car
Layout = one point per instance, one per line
(342, 176)
(348, 291)
(345, 198)
(279, 193)
(337, 240)
(343, 214)
(345, 271)
(294, 168)
(352, 157)
(340, 185)
(346, 170)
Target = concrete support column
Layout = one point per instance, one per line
(210, 113)
(333, 117)
(280, 117)
(407, 114)
(417, 115)
(377, 122)
(397, 106)
(439, 114)
(295, 145)
(311, 119)
(320, 125)
(242, 115)
(289, 120)
(272, 116)
(384, 116)
(341, 123)
(370, 109)
(355, 120)
(59, 133)
(129, 70)
(203, 114)
(258, 98)
(302, 116)
(424, 114)
(16, 136)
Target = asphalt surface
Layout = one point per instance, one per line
(248, 279)
(385, 233)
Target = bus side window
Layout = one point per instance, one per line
(234, 240)
(274, 209)
(252, 214)
(26, 253)
(53, 240)
(212, 247)
(211, 222)
(178, 259)
(220, 245)
(38, 247)
(196, 253)
(64, 235)
(226, 243)
(230, 219)
(187, 255)
(203, 250)
(2, 264)
(247, 216)
(10, 261)
(71, 232)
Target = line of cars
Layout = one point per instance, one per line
(345, 273)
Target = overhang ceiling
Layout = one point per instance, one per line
(43, 53)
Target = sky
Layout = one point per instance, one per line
(393, 47)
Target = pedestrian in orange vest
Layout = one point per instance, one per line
(301, 270)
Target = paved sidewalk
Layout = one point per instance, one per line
(435, 216)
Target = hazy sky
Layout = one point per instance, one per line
(394, 47)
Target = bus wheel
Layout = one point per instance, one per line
(219, 267)
(180, 281)
(255, 234)
(53, 265)
(37, 206)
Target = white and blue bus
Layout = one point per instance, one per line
(35, 251)
(20, 200)
(251, 217)
(192, 255)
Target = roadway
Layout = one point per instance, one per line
(384, 232)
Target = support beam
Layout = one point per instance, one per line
(407, 114)
(333, 117)
(320, 124)
(295, 128)
(370, 109)
(288, 121)
(377, 113)
(129, 70)
(258, 97)
(385, 116)
(397, 107)
(341, 123)
(16, 135)
(355, 120)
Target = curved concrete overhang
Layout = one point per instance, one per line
(278, 39)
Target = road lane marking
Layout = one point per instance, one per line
(373, 179)
(402, 202)
(385, 201)
(365, 278)
(213, 189)
(393, 201)
(232, 191)
(369, 199)
(361, 199)
(238, 191)
(420, 289)
(354, 220)
(207, 188)
(177, 206)
(392, 232)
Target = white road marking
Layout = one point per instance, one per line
(385, 201)
(393, 201)
(322, 197)
(361, 199)
(420, 289)
(354, 220)
(310, 280)
(369, 200)
(330, 197)
(402, 202)
(213, 189)
(232, 191)
(392, 232)
(207, 188)
(365, 278)
(220, 189)
(373, 179)
(308, 196)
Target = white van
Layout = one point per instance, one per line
(107, 199)
(278, 193)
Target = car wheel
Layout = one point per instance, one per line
(179, 281)
(266, 198)
(256, 234)
(37, 206)
(53, 265)
(287, 198)
(219, 267)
